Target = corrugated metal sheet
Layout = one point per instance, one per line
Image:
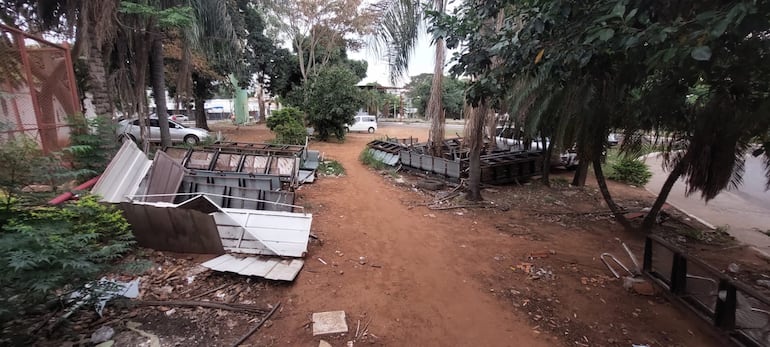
(270, 268)
(163, 227)
(123, 175)
(165, 177)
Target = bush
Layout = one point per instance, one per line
(331, 101)
(630, 170)
(49, 249)
(291, 133)
(288, 126)
(283, 116)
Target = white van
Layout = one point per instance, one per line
(363, 122)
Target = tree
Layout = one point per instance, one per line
(317, 28)
(639, 63)
(452, 94)
(329, 112)
(398, 29)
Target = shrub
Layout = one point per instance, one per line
(288, 126)
(48, 249)
(291, 133)
(630, 170)
(283, 116)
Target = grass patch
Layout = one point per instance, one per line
(331, 168)
(367, 158)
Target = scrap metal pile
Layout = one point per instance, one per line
(232, 197)
(497, 167)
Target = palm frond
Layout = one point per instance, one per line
(399, 27)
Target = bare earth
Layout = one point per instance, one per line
(453, 277)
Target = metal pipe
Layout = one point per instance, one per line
(607, 255)
(69, 195)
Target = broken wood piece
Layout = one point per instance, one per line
(209, 291)
(207, 304)
(256, 327)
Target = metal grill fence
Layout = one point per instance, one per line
(737, 310)
(37, 89)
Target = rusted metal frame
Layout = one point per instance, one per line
(71, 78)
(19, 38)
(30, 36)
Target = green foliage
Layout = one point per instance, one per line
(92, 143)
(367, 158)
(284, 115)
(291, 133)
(57, 248)
(695, 69)
(331, 101)
(174, 17)
(452, 94)
(331, 168)
(630, 170)
(288, 126)
(23, 163)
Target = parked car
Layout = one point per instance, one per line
(505, 139)
(363, 122)
(179, 118)
(130, 129)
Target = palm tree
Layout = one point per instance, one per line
(400, 24)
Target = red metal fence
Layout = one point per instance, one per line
(37, 89)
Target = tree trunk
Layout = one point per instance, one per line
(579, 180)
(547, 153)
(475, 135)
(602, 182)
(97, 81)
(158, 79)
(673, 176)
(200, 92)
(261, 100)
(435, 109)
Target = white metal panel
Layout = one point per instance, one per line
(267, 267)
(286, 233)
(285, 270)
(123, 175)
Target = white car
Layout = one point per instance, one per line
(504, 139)
(363, 122)
(130, 129)
(179, 118)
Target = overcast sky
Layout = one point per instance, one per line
(421, 62)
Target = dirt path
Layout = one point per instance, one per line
(444, 278)
(421, 293)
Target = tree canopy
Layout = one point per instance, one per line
(689, 69)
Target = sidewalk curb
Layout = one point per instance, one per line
(687, 213)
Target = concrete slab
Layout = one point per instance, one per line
(331, 322)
